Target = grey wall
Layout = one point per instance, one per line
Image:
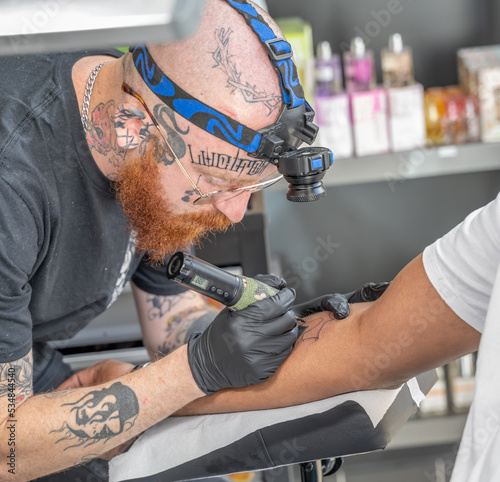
(435, 29)
(370, 232)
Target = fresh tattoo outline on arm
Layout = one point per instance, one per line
(311, 329)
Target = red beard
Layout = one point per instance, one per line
(160, 232)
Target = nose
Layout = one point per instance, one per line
(234, 208)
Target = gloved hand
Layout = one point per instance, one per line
(245, 347)
(338, 303)
(368, 292)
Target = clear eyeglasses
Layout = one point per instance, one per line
(213, 196)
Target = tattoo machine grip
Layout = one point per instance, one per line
(236, 292)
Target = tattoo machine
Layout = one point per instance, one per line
(236, 292)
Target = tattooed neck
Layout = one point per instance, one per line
(111, 133)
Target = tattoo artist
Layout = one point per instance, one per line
(99, 182)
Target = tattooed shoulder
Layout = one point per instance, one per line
(16, 379)
(181, 326)
(158, 306)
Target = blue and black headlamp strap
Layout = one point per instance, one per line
(294, 124)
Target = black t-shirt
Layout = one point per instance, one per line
(65, 250)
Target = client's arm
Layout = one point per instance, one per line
(409, 330)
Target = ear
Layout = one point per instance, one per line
(132, 125)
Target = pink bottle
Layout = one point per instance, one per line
(359, 67)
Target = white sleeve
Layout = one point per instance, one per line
(462, 264)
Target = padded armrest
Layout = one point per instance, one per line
(187, 448)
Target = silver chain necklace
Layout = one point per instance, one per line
(88, 93)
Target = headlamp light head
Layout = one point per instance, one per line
(304, 170)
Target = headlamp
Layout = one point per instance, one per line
(304, 170)
(277, 143)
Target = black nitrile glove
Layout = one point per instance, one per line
(272, 280)
(368, 292)
(244, 347)
(338, 303)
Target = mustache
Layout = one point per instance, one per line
(159, 231)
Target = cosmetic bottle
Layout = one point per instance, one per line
(397, 63)
(436, 117)
(369, 111)
(456, 120)
(331, 104)
(359, 67)
(472, 116)
(479, 74)
(328, 71)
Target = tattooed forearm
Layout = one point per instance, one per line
(20, 376)
(311, 329)
(55, 394)
(159, 306)
(182, 326)
(99, 416)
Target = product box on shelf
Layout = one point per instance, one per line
(479, 75)
(489, 103)
(406, 117)
(334, 121)
(370, 122)
(452, 116)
